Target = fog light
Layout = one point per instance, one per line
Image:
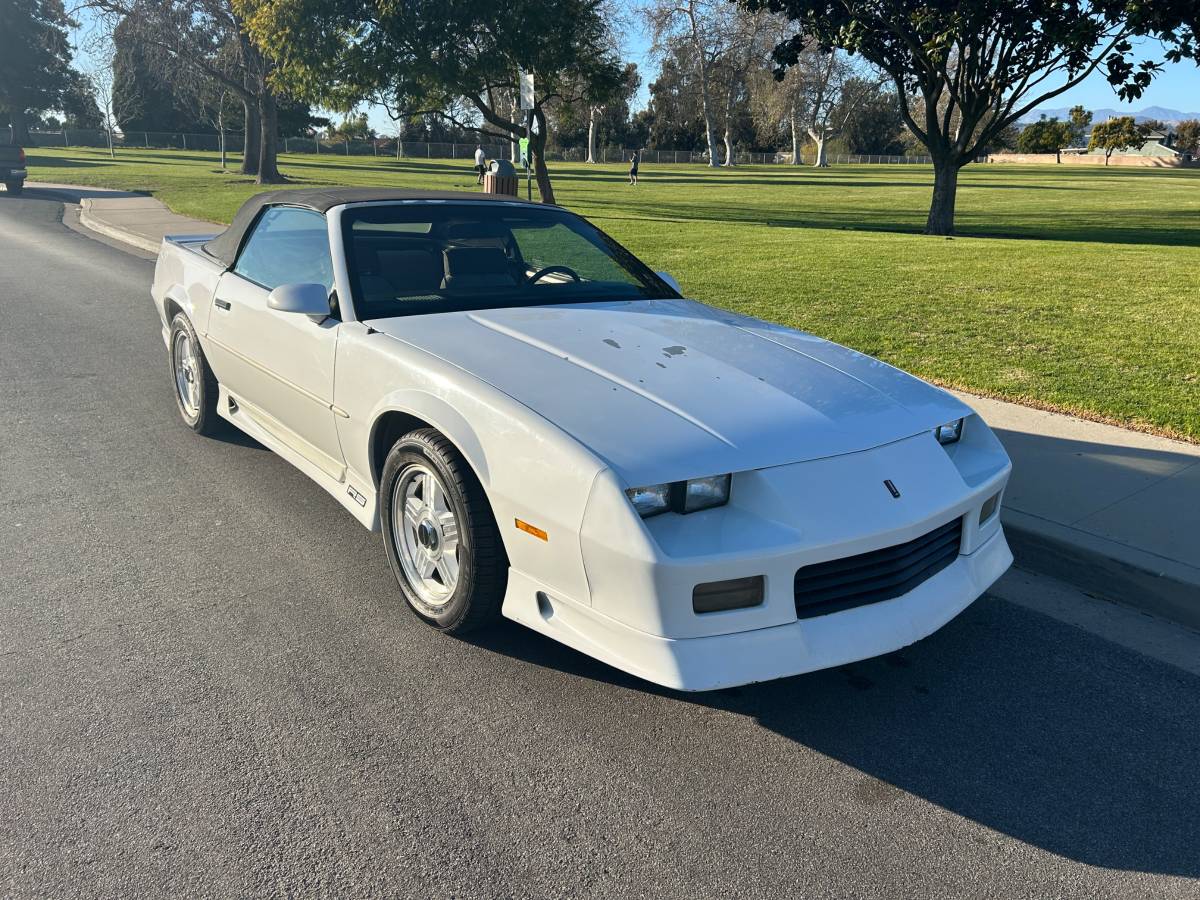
(989, 508)
(738, 593)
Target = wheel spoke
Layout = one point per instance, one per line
(436, 499)
(412, 511)
(426, 564)
(447, 567)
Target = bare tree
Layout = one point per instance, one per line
(698, 25)
(777, 105)
(102, 79)
(747, 45)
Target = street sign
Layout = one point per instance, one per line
(524, 145)
(526, 79)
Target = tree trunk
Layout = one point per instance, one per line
(705, 104)
(268, 142)
(221, 129)
(591, 157)
(945, 187)
(537, 150)
(818, 137)
(710, 136)
(250, 140)
(728, 145)
(795, 126)
(19, 127)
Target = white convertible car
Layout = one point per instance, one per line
(543, 428)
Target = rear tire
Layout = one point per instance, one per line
(440, 535)
(195, 385)
(14, 187)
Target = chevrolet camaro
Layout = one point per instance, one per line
(544, 428)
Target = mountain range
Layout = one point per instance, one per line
(1162, 113)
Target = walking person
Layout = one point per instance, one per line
(480, 164)
(633, 166)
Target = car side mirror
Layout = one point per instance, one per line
(304, 299)
(666, 276)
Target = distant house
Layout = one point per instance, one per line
(1157, 143)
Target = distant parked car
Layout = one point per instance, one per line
(545, 429)
(12, 168)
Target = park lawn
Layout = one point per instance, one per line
(1068, 287)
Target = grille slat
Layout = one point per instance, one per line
(876, 576)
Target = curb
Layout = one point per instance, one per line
(1105, 569)
(87, 220)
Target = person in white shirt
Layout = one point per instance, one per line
(480, 164)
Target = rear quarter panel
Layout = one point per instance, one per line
(185, 277)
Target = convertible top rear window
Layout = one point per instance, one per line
(415, 258)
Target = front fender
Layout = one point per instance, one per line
(529, 469)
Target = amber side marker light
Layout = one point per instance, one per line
(532, 529)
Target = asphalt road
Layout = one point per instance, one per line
(210, 686)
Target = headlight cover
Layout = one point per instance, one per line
(949, 433)
(680, 496)
(650, 500)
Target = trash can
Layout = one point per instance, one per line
(500, 178)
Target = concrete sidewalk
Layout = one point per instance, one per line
(136, 219)
(1113, 511)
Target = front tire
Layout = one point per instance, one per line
(194, 382)
(440, 535)
(14, 187)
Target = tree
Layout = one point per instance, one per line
(872, 125)
(1187, 136)
(976, 66)
(35, 61)
(742, 49)
(1079, 120)
(453, 59)
(1118, 133)
(114, 107)
(697, 26)
(674, 119)
(827, 103)
(1044, 136)
(778, 103)
(185, 40)
(150, 101)
(79, 106)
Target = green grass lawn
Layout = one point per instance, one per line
(1068, 287)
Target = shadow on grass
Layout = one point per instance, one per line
(1015, 721)
(1015, 225)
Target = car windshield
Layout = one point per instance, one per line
(414, 258)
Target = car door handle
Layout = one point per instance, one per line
(222, 304)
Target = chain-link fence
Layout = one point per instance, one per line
(401, 149)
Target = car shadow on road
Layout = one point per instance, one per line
(1016, 721)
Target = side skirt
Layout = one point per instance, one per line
(358, 499)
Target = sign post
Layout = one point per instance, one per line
(527, 103)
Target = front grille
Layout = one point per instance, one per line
(839, 584)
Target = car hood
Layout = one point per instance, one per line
(670, 389)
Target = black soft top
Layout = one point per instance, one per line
(224, 247)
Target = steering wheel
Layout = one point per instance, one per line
(562, 270)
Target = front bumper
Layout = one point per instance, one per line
(638, 613)
(745, 657)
